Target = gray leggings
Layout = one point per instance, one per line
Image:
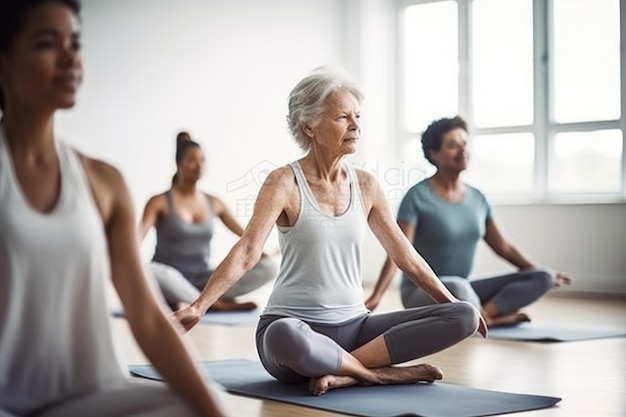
(508, 292)
(176, 288)
(293, 350)
(131, 400)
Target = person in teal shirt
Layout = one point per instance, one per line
(445, 218)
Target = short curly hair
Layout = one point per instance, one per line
(306, 100)
(434, 133)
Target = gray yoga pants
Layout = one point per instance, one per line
(508, 292)
(176, 288)
(293, 350)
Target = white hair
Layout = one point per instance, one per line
(306, 100)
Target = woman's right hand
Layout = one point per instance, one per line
(188, 316)
(372, 302)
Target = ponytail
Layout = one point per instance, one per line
(183, 142)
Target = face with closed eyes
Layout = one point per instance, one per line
(338, 130)
(42, 68)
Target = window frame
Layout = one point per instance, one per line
(543, 127)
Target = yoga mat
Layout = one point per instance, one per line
(424, 400)
(540, 333)
(231, 318)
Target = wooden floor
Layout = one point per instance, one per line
(590, 376)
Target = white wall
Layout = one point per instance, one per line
(588, 241)
(223, 69)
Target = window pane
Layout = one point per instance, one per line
(502, 163)
(502, 55)
(587, 162)
(431, 65)
(586, 60)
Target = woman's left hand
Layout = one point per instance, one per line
(188, 316)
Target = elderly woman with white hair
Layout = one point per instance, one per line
(315, 326)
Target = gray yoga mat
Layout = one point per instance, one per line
(231, 318)
(425, 400)
(540, 333)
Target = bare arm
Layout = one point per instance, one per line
(150, 215)
(400, 249)
(228, 219)
(152, 329)
(505, 249)
(247, 251)
(388, 271)
(226, 216)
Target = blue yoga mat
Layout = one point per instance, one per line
(424, 400)
(231, 318)
(541, 333)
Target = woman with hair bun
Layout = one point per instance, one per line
(183, 217)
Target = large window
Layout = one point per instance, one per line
(539, 82)
(432, 58)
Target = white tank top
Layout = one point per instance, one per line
(55, 336)
(320, 273)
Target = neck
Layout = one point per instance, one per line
(185, 187)
(29, 131)
(448, 180)
(323, 166)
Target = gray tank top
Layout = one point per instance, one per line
(183, 245)
(320, 273)
(55, 336)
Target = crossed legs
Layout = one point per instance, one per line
(362, 350)
(178, 291)
(499, 298)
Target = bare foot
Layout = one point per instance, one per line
(384, 376)
(408, 374)
(508, 320)
(319, 386)
(232, 305)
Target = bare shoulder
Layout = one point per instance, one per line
(157, 202)
(107, 186)
(367, 182)
(102, 173)
(279, 181)
(279, 190)
(101, 170)
(216, 203)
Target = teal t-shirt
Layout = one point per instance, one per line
(446, 233)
